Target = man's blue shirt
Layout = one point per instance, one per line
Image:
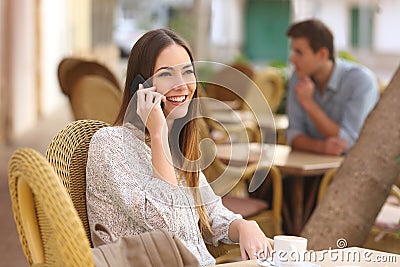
(351, 93)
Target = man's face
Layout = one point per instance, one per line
(305, 60)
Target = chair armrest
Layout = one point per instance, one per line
(224, 252)
(395, 191)
(277, 192)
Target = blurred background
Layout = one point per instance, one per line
(35, 35)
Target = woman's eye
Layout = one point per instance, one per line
(164, 74)
(188, 72)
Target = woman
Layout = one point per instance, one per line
(141, 182)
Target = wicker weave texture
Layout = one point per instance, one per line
(272, 85)
(67, 153)
(61, 232)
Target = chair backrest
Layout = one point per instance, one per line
(231, 84)
(67, 153)
(71, 69)
(272, 85)
(95, 98)
(50, 231)
(93, 90)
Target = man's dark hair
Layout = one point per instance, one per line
(317, 34)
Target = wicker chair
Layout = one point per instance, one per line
(271, 83)
(249, 131)
(67, 153)
(231, 83)
(383, 235)
(93, 91)
(50, 231)
(71, 69)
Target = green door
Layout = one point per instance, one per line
(266, 24)
(361, 27)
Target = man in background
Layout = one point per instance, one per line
(328, 98)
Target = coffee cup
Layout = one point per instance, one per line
(289, 250)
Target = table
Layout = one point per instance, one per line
(281, 125)
(296, 165)
(354, 256)
(291, 162)
(236, 116)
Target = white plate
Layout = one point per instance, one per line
(269, 261)
(264, 263)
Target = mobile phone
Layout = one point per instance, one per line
(135, 84)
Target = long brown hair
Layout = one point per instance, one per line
(183, 138)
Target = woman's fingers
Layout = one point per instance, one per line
(149, 89)
(243, 253)
(268, 250)
(142, 93)
(259, 251)
(158, 98)
(149, 95)
(148, 106)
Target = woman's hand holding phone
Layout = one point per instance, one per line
(150, 112)
(149, 109)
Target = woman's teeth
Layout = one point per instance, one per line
(176, 98)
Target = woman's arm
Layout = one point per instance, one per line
(161, 159)
(151, 114)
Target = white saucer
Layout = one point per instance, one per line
(270, 263)
(264, 263)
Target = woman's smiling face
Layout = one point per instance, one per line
(174, 77)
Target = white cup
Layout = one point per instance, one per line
(289, 250)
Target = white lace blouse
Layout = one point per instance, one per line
(123, 195)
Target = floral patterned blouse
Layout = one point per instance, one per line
(123, 195)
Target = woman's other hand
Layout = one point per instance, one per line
(251, 239)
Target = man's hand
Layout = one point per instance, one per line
(334, 146)
(304, 91)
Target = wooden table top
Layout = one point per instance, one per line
(279, 121)
(289, 161)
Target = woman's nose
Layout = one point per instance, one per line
(181, 86)
(180, 82)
